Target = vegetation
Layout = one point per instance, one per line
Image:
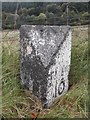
(18, 103)
(44, 13)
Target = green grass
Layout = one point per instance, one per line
(19, 103)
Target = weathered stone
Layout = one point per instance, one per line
(45, 60)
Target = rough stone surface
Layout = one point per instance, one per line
(45, 53)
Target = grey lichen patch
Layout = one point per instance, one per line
(45, 60)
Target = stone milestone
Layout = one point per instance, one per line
(45, 55)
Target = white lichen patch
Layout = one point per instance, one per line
(29, 50)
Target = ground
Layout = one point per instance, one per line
(18, 103)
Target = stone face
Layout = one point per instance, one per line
(45, 53)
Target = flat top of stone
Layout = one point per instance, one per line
(45, 39)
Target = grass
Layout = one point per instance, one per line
(18, 103)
